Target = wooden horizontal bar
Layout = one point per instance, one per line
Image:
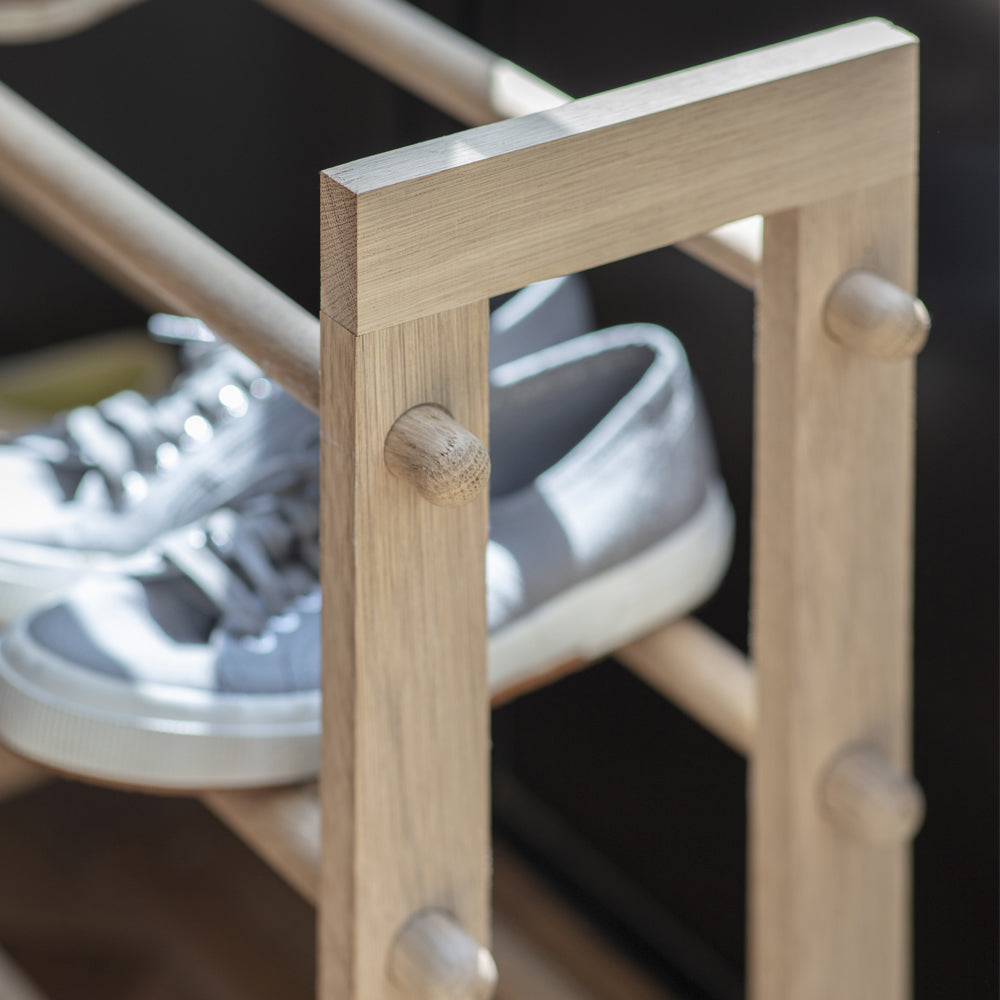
(476, 86)
(555, 952)
(24, 21)
(703, 674)
(733, 249)
(100, 214)
(431, 60)
(427, 228)
(14, 985)
(18, 775)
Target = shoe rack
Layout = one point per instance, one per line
(816, 137)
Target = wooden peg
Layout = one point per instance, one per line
(433, 958)
(436, 455)
(876, 318)
(868, 797)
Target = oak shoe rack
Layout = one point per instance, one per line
(817, 138)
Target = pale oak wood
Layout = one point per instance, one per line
(543, 949)
(732, 249)
(281, 824)
(17, 775)
(405, 708)
(870, 799)
(526, 909)
(703, 674)
(476, 86)
(14, 985)
(875, 317)
(437, 456)
(433, 61)
(42, 20)
(432, 958)
(84, 202)
(830, 636)
(617, 174)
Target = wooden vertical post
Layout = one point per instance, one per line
(404, 773)
(829, 909)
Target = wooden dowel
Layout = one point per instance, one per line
(732, 250)
(281, 824)
(17, 775)
(445, 463)
(95, 210)
(552, 946)
(14, 985)
(703, 674)
(433, 958)
(476, 86)
(869, 798)
(25, 21)
(428, 58)
(876, 318)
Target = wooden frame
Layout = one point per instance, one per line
(616, 175)
(826, 132)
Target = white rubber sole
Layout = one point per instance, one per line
(150, 736)
(171, 739)
(628, 601)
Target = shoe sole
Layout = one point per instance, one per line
(604, 612)
(160, 739)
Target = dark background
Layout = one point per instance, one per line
(227, 114)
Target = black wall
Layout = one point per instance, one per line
(227, 114)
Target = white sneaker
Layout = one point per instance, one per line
(92, 490)
(608, 518)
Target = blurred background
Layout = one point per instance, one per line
(632, 811)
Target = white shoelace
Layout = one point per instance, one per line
(128, 433)
(254, 563)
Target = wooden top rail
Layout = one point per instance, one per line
(101, 215)
(616, 174)
(408, 46)
(476, 86)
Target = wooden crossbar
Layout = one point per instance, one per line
(476, 86)
(616, 174)
(149, 251)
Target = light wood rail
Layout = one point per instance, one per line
(28, 21)
(98, 213)
(476, 86)
(616, 174)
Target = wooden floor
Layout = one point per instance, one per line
(117, 896)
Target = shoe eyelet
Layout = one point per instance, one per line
(261, 388)
(167, 455)
(134, 485)
(234, 400)
(197, 431)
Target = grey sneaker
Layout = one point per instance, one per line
(95, 488)
(608, 517)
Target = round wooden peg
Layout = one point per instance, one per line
(874, 317)
(869, 798)
(433, 958)
(436, 455)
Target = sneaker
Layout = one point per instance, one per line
(94, 489)
(203, 671)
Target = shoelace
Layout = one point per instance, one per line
(254, 563)
(127, 433)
